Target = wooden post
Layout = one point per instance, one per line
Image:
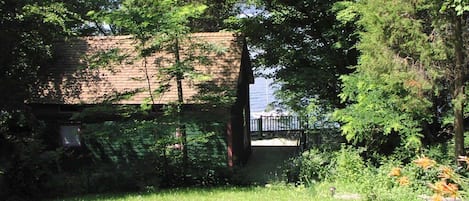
(229, 140)
(259, 126)
(303, 138)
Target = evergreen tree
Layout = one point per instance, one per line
(407, 62)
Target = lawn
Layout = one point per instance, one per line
(267, 193)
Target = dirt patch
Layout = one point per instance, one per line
(265, 164)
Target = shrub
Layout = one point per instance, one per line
(314, 166)
(373, 183)
(25, 162)
(349, 165)
(345, 165)
(145, 149)
(442, 180)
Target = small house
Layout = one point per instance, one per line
(113, 70)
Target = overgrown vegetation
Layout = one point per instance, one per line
(337, 175)
(391, 75)
(405, 82)
(391, 179)
(137, 155)
(119, 156)
(123, 154)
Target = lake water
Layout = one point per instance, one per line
(261, 94)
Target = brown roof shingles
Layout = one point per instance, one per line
(82, 75)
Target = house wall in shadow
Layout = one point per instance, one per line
(108, 70)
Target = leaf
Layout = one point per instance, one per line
(443, 8)
(91, 13)
(413, 141)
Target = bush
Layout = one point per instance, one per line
(373, 183)
(30, 169)
(349, 165)
(396, 177)
(310, 167)
(25, 162)
(123, 157)
(145, 149)
(345, 165)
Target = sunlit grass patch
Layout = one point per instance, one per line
(268, 193)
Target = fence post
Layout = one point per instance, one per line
(305, 131)
(259, 126)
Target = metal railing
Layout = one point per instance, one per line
(278, 123)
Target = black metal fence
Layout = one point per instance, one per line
(279, 123)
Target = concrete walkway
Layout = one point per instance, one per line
(278, 141)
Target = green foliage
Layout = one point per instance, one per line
(133, 155)
(26, 164)
(303, 48)
(377, 187)
(460, 6)
(146, 150)
(381, 106)
(319, 165)
(147, 19)
(161, 27)
(320, 115)
(158, 26)
(104, 59)
(216, 15)
(312, 166)
(397, 86)
(55, 13)
(346, 170)
(31, 169)
(29, 29)
(349, 165)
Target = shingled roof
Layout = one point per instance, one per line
(99, 69)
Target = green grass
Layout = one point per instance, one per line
(276, 192)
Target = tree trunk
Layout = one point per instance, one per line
(458, 91)
(180, 127)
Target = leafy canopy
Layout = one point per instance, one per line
(400, 82)
(303, 48)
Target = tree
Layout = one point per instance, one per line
(28, 30)
(213, 18)
(399, 86)
(215, 15)
(303, 48)
(160, 26)
(458, 16)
